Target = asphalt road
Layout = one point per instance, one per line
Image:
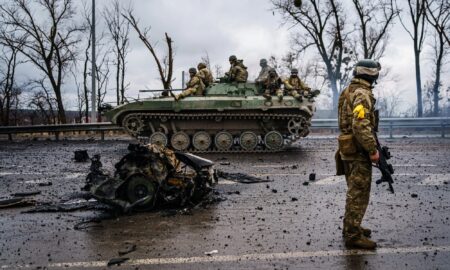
(290, 223)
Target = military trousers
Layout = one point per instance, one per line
(358, 175)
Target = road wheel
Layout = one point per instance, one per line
(201, 141)
(158, 138)
(248, 140)
(223, 140)
(274, 140)
(180, 141)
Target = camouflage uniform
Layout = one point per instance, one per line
(272, 85)
(205, 75)
(264, 73)
(194, 86)
(356, 142)
(295, 85)
(238, 72)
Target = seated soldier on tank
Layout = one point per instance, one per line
(272, 86)
(296, 86)
(264, 73)
(205, 74)
(194, 86)
(238, 71)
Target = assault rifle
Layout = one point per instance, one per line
(385, 168)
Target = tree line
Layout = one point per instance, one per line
(341, 32)
(56, 43)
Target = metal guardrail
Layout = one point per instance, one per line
(57, 129)
(390, 124)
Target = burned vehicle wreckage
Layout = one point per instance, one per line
(151, 175)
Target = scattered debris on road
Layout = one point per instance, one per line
(26, 194)
(16, 202)
(127, 249)
(117, 261)
(212, 252)
(241, 177)
(81, 156)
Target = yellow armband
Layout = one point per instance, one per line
(360, 111)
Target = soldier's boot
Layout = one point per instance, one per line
(267, 96)
(280, 97)
(366, 232)
(361, 243)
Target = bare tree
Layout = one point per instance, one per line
(43, 101)
(416, 10)
(218, 71)
(389, 103)
(103, 68)
(438, 16)
(49, 44)
(205, 59)
(9, 92)
(321, 26)
(119, 31)
(375, 18)
(165, 67)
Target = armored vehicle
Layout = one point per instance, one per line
(229, 117)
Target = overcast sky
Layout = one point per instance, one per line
(246, 28)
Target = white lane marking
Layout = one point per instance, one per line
(244, 257)
(290, 165)
(436, 180)
(331, 180)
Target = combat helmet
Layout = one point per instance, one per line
(192, 70)
(294, 71)
(232, 58)
(201, 65)
(263, 61)
(367, 69)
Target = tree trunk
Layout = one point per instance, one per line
(61, 112)
(418, 83)
(118, 90)
(122, 87)
(437, 82)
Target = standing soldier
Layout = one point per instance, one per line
(238, 72)
(295, 85)
(357, 150)
(264, 73)
(205, 74)
(272, 86)
(194, 86)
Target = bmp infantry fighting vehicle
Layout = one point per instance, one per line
(229, 117)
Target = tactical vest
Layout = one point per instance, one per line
(345, 107)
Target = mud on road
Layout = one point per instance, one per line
(290, 223)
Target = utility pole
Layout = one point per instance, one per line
(94, 68)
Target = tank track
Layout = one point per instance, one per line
(166, 117)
